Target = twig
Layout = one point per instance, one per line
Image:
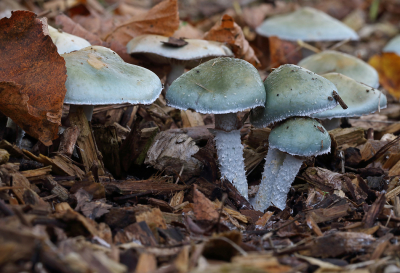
(339, 100)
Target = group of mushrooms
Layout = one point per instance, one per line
(290, 99)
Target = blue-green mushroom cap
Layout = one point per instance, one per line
(332, 61)
(300, 136)
(306, 24)
(293, 91)
(393, 45)
(361, 99)
(219, 86)
(97, 76)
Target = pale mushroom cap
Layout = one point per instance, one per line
(393, 45)
(360, 98)
(190, 55)
(332, 61)
(293, 91)
(300, 136)
(219, 86)
(306, 24)
(66, 42)
(97, 75)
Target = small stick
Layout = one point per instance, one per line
(339, 100)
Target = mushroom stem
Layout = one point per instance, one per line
(273, 162)
(87, 110)
(280, 170)
(287, 174)
(20, 133)
(176, 71)
(230, 151)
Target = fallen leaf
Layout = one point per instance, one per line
(32, 76)
(162, 19)
(227, 31)
(283, 52)
(71, 27)
(388, 67)
(203, 208)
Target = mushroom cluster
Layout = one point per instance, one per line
(293, 94)
(223, 87)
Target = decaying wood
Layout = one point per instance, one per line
(191, 119)
(56, 189)
(107, 143)
(138, 231)
(348, 137)
(129, 116)
(13, 150)
(86, 143)
(373, 211)
(68, 140)
(34, 174)
(152, 185)
(328, 214)
(61, 164)
(170, 153)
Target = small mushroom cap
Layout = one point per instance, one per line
(360, 98)
(393, 45)
(332, 61)
(300, 136)
(306, 24)
(219, 86)
(97, 75)
(293, 91)
(66, 42)
(151, 46)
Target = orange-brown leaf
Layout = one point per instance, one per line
(203, 208)
(32, 76)
(388, 66)
(283, 52)
(162, 19)
(227, 31)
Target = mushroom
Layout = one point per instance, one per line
(306, 24)
(289, 143)
(361, 99)
(332, 61)
(223, 86)
(291, 91)
(98, 76)
(393, 45)
(156, 49)
(66, 42)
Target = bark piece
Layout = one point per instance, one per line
(171, 153)
(87, 148)
(138, 231)
(348, 137)
(203, 208)
(68, 140)
(328, 214)
(153, 217)
(373, 211)
(191, 119)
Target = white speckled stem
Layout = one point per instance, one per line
(330, 124)
(273, 162)
(230, 157)
(285, 178)
(176, 72)
(87, 109)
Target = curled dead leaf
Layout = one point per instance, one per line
(32, 76)
(162, 19)
(388, 66)
(227, 31)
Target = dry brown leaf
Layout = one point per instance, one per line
(162, 19)
(227, 31)
(388, 67)
(283, 52)
(32, 76)
(71, 27)
(203, 208)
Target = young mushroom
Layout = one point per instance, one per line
(66, 42)
(306, 24)
(223, 87)
(292, 91)
(98, 76)
(332, 61)
(393, 45)
(289, 143)
(360, 99)
(157, 49)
